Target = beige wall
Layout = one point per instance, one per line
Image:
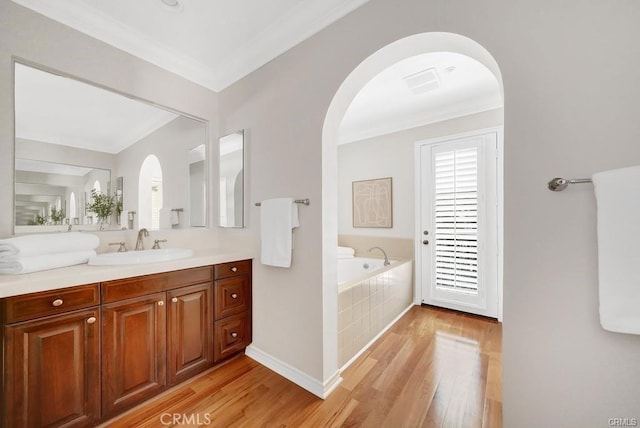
(170, 144)
(570, 109)
(392, 155)
(570, 71)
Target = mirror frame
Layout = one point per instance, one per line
(207, 138)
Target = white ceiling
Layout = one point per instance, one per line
(386, 105)
(59, 110)
(211, 42)
(51, 168)
(215, 43)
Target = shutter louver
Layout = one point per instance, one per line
(456, 220)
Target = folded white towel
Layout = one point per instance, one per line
(50, 243)
(277, 218)
(618, 198)
(45, 262)
(346, 253)
(175, 219)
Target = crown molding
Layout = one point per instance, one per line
(302, 22)
(386, 127)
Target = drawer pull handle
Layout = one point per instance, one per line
(174, 300)
(57, 302)
(234, 269)
(234, 334)
(91, 320)
(234, 295)
(161, 303)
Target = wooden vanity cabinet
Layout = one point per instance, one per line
(232, 308)
(52, 358)
(77, 356)
(156, 332)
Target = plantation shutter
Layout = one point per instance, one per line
(456, 219)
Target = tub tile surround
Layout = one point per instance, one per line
(396, 248)
(369, 307)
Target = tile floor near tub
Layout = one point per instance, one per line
(366, 308)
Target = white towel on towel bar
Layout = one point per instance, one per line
(277, 219)
(49, 243)
(618, 199)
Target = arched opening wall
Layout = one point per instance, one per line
(385, 57)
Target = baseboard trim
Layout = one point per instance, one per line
(314, 386)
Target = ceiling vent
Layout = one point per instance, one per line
(423, 81)
(172, 5)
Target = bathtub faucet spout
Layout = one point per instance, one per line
(386, 258)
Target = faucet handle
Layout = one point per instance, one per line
(156, 243)
(122, 248)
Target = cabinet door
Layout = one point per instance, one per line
(190, 338)
(133, 351)
(53, 371)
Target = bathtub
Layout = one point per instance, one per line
(371, 297)
(357, 268)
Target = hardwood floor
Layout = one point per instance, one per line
(433, 368)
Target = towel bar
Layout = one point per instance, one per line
(558, 184)
(297, 201)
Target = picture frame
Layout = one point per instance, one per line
(372, 203)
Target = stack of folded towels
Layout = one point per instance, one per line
(346, 253)
(32, 253)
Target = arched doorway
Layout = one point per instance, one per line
(150, 193)
(384, 58)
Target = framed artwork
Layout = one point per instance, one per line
(372, 203)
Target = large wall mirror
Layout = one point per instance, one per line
(75, 140)
(231, 202)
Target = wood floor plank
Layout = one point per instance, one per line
(433, 368)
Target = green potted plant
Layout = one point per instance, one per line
(57, 215)
(102, 205)
(38, 221)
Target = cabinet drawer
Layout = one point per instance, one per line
(127, 288)
(36, 305)
(233, 295)
(232, 335)
(225, 270)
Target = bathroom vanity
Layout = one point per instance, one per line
(79, 355)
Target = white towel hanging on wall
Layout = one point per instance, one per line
(277, 219)
(618, 198)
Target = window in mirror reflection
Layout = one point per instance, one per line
(150, 193)
(197, 187)
(73, 212)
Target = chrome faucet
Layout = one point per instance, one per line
(140, 241)
(386, 258)
(156, 244)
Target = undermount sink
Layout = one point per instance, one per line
(139, 257)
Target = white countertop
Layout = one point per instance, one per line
(13, 285)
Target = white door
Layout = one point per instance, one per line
(458, 234)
